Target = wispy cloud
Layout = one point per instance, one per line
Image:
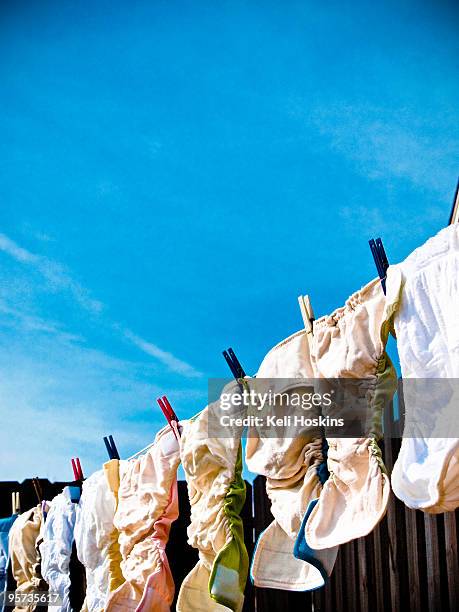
(62, 397)
(393, 221)
(69, 396)
(177, 365)
(15, 318)
(28, 229)
(395, 148)
(59, 278)
(387, 144)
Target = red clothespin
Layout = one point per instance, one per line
(78, 474)
(80, 471)
(170, 415)
(77, 471)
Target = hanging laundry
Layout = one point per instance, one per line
(5, 526)
(292, 461)
(147, 506)
(25, 556)
(426, 473)
(213, 470)
(45, 507)
(112, 474)
(350, 344)
(56, 545)
(93, 537)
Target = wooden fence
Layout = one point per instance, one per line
(409, 562)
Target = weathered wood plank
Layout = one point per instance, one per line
(415, 559)
(452, 561)
(362, 574)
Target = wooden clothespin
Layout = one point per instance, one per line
(15, 503)
(170, 415)
(111, 447)
(454, 216)
(306, 312)
(38, 489)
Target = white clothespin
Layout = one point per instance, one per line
(306, 312)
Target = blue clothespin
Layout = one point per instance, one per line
(380, 258)
(111, 447)
(382, 255)
(234, 364)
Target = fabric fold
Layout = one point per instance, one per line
(56, 547)
(112, 474)
(5, 526)
(426, 473)
(213, 470)
(147, 506)
(25, 556)
(93, 531)
(349, 346)
(291, 460)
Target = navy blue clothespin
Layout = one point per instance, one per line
(380, 258)
(111, 447)
(234, 364)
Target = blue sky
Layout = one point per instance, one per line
(174, 174)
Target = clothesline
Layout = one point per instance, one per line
(325, 490)
(307, 312)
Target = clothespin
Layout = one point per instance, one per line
(382, 255)
(80, 471)
(170, 415)
(15, 503)
(111, 447)
(380, 258)
(454, 216)
(234, 364)
(75, 490)
(38, 489)
(306, 312)
(44, 508)
(77, 471)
